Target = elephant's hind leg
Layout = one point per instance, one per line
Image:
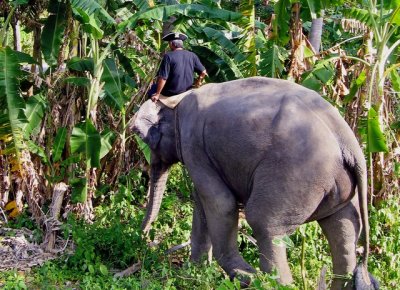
(342, 230)
(272, 252)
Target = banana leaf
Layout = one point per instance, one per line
(124, 61)
(317, 7)
(162, 13)
(78, 81)
(107, 139)
(53, 31)
(363, 15)
(143, 4)
(79, 190)
(81, 64)
(39, 151)
(91, 7)
(272, 61)
(225, 43)
(86, 140)
(395, 80)
(248, 41)
(219, 65)
(35, 110)
(395, 17)
(281, 22)
(144, 148)
(310, 81)
(24, 58)
(324, 71)
(59, 143)
(355, 86)
(112, 85)
(12, 115)
(375, 139)
(90, 24)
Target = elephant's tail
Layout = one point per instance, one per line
(363, 280)
(362, 188)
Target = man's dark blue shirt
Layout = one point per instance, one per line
(177, 68)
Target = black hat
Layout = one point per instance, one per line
(174, 35)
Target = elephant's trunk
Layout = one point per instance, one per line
(158, 181)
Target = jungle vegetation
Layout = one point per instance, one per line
(72, 74)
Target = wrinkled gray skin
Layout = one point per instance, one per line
(276, 148)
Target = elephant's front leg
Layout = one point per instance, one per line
(200, 239)
(221, 212)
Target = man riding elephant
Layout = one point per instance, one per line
(176, 72)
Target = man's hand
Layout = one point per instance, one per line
(199, 80)
(197, 83)
(155, 97)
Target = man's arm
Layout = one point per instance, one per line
(160, 85)
(200, 78)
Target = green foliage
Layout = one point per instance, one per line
(272, 61)
(322, 74)
(13, 281)
(12, 115)
(219, 66)
(34, 111)
(53, 31)
(113, 78)
(385, 230)
(192, 10)
(79, 190)
(355, 86)
(375, 138)
(114, 241)
(362, 15)
(282, 9)
(88, 8)
(144, 148)
(86, 139)
(81, 64)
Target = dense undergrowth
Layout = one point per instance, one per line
(114, 242)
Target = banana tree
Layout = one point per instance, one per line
(383, 20)
(85, 138)
(17, 168)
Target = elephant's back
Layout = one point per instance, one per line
(252, 95)
(245, 123)
(258, 104)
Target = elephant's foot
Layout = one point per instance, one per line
(244, 278)
(237, 267)
(198, 255)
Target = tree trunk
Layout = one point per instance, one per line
(52, 223)
(17, 34)
(37, 53)
(316, 33)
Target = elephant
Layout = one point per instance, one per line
(274, 148)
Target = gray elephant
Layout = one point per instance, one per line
(275, 148)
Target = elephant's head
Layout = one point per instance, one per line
(155, 125)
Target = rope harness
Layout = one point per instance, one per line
(178, 136)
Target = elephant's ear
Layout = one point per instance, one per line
(153, 137)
